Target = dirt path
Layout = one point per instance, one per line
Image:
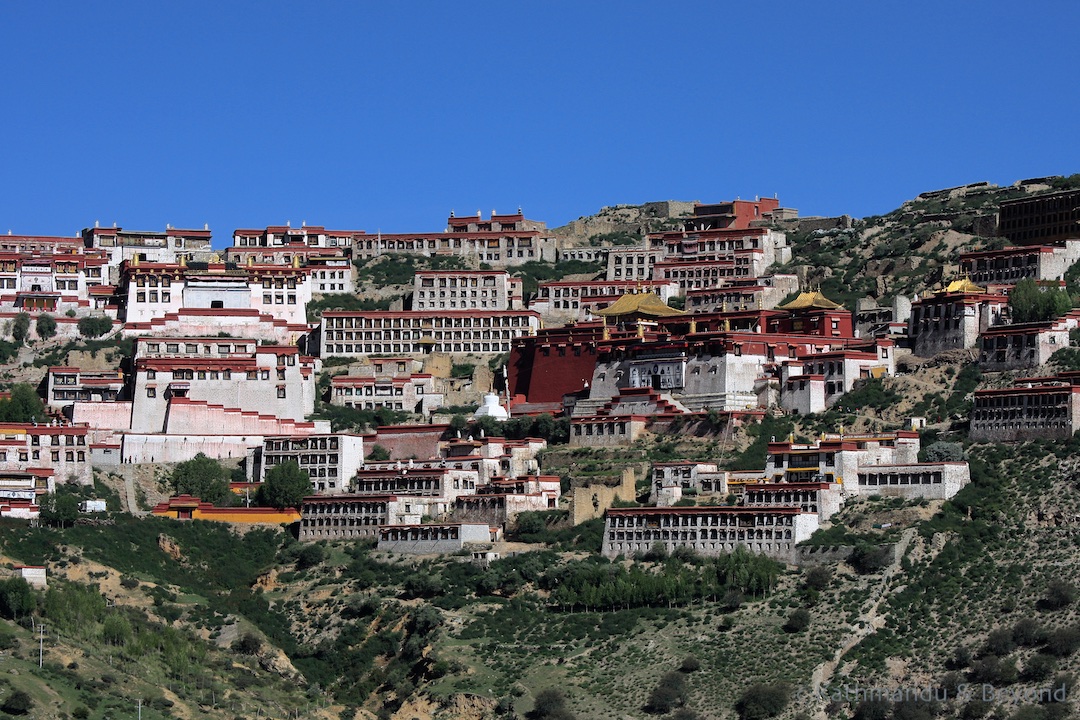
(868, 622)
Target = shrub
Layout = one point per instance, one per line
(872, 710)
(797, 621)
(550, 704)
(116, 630)
(530, 523)
(690, 664)
(867, 559)
(999, 642)
(818, 578)
(1030, 303)
(669, 694)
(762, 700)
(1059, 595)
(1028, 632)
(18, 703)
(309, 556)
(942, 452)
(16, 598)
(1039, 667)
(1064, 642)
(247, 644)
(23, 406)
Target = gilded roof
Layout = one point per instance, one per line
(964, 285)
(644, 303)
(810, 300)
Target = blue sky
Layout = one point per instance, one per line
(386, 116)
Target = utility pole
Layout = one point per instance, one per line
(41, 645)
(140, 708)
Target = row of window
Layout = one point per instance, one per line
(151, 392)
(69, 440)
(395, 348)
(69, 456)
(193, 348)
(427, 321)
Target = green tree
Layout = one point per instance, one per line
(95, 326)
(23, 406)
(59, 509)
(285, 486)
(1028, 302)
(203, 478)
(20, 327)
(116, 630)
(16, 598)
(46, 326)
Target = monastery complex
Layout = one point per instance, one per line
(697, 321)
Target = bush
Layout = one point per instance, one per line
(310, 555)
(1039, 667)
(247, 644)
(999, 642)
(669, 694)
(116, 630)
(45, 326)
(1028, 302)
(690, 664)
(818, 578)
(797, 621)
(1028, 632)
(550, 704)
(18, 703)
(867, 559)
(95, 326)
(942, 452)
(762, 700)
(872, 710)
(1064, 642)
(1059, 595)
(16, 598)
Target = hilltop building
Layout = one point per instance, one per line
(1042, 219)
(1012, 264)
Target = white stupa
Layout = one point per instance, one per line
(491, 408)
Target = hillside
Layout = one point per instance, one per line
(201, 622)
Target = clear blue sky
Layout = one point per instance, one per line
(388, 115)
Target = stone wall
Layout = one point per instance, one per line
(593, 499)
(810, 224)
